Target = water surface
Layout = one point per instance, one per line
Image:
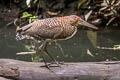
(81, 48)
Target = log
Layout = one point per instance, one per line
(21, 70)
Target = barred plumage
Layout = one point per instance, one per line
(52, 28)
(57, 28)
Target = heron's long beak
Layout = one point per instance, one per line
(84, 23)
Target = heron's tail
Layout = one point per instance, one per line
(21, 36)
(21, 32)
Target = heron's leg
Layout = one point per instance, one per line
(55, 61)
(46, 65)
(52, 58)
(59, 46)
(41, 49)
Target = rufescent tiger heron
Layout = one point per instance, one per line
(52, 29)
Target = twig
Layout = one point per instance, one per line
(109, 5)
(106, 48)
(24, 53)
(15, 22)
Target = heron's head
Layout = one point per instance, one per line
(77, 20)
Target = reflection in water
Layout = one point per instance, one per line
(92, 36)
(82, 47)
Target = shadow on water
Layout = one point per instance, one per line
(82, 47)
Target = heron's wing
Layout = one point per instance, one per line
(47, 28)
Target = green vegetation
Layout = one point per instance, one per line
(100, 12)
(29, 16)
(103, 13)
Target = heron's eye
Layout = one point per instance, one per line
(78, 22)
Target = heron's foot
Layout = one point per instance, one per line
(53, 64)
(58, 64)
(48, 67)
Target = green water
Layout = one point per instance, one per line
(81, 48)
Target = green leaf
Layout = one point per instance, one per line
(33, 18)
(35, 1)
(116, 46)
(30, 48)
(49, 43)
(27, 47)
(26, 14)
(36, 58)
